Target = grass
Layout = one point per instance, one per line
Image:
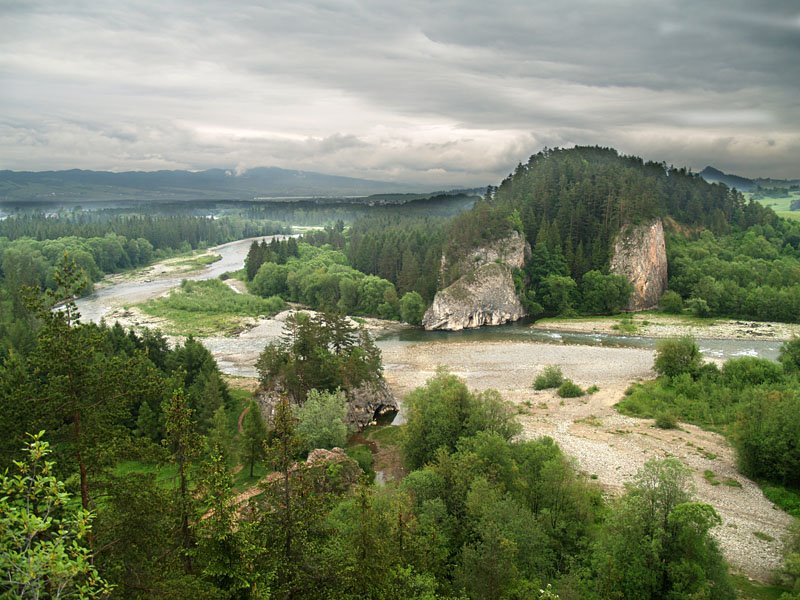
(764, 537)
(591, 420)
(209, 307)
(753, 590)
(710, 477)
(784, 498)
(626, 325)
(388, 435)
(196, 262)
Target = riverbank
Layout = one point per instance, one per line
(608, 447)
(659, 325)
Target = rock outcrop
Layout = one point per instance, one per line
(484, 294)
(364, 403)
(640, 254)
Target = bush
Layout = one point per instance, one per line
(569, 389)
(790, 355)
(363, 456)
(675, 356)
(767, 436)
(666, 421)
(550, 377)
(412, 308)
(444, 411)
(749, 371)
(321, 420)
(671, 302)
(699, 307)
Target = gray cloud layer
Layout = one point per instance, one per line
(439, 92)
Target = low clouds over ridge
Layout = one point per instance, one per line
(413, 91)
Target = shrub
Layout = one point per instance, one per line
(550, 377)
(677, 355)
(363, 456)
(749, 371)
(699, 307)
(569, 389)
(412, 308)
(321, 419)
(666, 420)
(671, 302)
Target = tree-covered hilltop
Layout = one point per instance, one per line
(571, 204)
(574, 201)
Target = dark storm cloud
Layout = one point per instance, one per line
(442, 92)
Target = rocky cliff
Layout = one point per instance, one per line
(364, 403)
(640, 254)
(484, 292)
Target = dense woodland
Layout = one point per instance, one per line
(480, 514)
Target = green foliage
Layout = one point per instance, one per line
(254, 435)
(444, 411)
(767, 437)
(363, 456)
(666, 420)
(671, 302)
(405, 250)
(322, 279)
(788, 500)
(604, 294)
(550, 377)
(559, 295)
(749, 274)
(790, 355)
(324, 352)
(43, 535)
(676, 356)
(204, 307)
(569, 389)
(412, 308)
(656, 543)
(321, 419)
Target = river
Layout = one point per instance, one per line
(237, 355)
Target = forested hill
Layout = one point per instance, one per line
(574, 201)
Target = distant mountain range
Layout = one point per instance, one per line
(743, 184)
(213, 184)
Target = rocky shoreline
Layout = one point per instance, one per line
(665, 326)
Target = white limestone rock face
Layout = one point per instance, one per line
(484, 297)
(640, 254)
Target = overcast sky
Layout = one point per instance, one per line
(447, 92)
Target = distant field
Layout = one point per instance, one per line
(780, 205)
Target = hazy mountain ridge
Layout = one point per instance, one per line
(743, 184)
(81, 185)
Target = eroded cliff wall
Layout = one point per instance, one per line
(484, 294)
(640, 254)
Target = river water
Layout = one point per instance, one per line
(237, 355)
(108, 297)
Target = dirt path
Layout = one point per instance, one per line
(240, 422)
(606, 445)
